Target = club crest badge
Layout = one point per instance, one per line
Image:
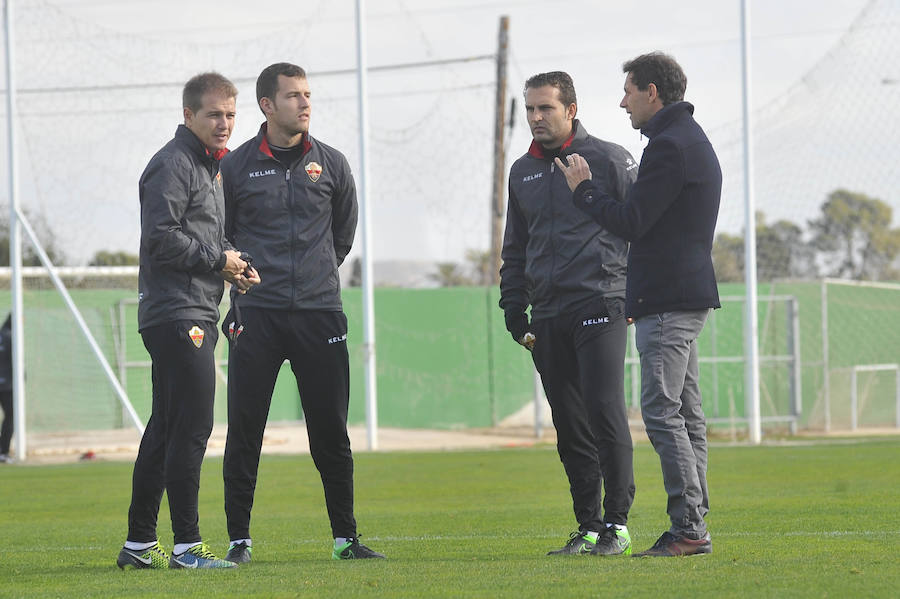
(196, 335)
(313, 170)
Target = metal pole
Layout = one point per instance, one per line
(123, 348)
(538, 405)
(897, 415)
(499, 151)
(489, 320)
(795, 350)
(715, 366)
(751, 341)
(826, 392)
(368, 300)
(95, 347)
(15, 243)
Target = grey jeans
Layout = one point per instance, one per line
(673, 415)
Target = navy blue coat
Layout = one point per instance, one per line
(669, 217)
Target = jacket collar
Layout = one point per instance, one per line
(538, 151)
(664, 117)
(263, 143)
(186, 136)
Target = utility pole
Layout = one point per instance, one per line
(499, 151)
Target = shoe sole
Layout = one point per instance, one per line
(700, 551)
(133, 562)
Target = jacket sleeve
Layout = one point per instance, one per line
(513, 282)
(165, 196)
(344, 214)
(659, 181)
(622, 173)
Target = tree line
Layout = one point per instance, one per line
(851, 238)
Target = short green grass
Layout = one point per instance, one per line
(811, 520)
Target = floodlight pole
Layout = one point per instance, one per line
(751, 327)
(15, 242)
(368, 301)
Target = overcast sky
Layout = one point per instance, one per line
(589, 39)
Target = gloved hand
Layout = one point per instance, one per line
(517, 325)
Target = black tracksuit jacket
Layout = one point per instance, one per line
(297, 221)
(182, 234)
(554, 258)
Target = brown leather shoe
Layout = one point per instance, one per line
(669, 545)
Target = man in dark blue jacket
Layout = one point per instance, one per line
(290, 203)
(669, 218)
(184, 258)
(571, 271)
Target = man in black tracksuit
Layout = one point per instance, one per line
(184, 258)
(6, 389)
(670, 218)
(572, 273)
(291, 204)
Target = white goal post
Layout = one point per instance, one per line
(854, 390)
(53, 272)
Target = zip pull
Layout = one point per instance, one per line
(287, 174)
(552, 167)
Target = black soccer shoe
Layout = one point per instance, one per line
(239, 553)
(578, 544)
(353, 549)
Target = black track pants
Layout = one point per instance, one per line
(315, 343)
(581, 359)
(6, 431)
(174, 442)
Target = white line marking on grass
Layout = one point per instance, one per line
(803, 533)
(473, 537)
(716, 535)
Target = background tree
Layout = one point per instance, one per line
(728, 258)
(854, 236)
(781, 252)
(108, 258)
(355, 273)
(479, 263)
(450, 274)
(29, 256)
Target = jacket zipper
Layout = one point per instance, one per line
(287, 179)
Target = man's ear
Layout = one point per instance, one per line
(653, 92)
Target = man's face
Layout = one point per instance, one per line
(214, 122)
(550, 120)
(638, 103)
(289, 110)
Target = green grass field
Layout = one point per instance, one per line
(811, 520)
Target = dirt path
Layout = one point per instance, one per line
(122, 444)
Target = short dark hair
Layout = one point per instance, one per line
(661, 70)
(202, 84)
(558, 79)
(267, 82)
